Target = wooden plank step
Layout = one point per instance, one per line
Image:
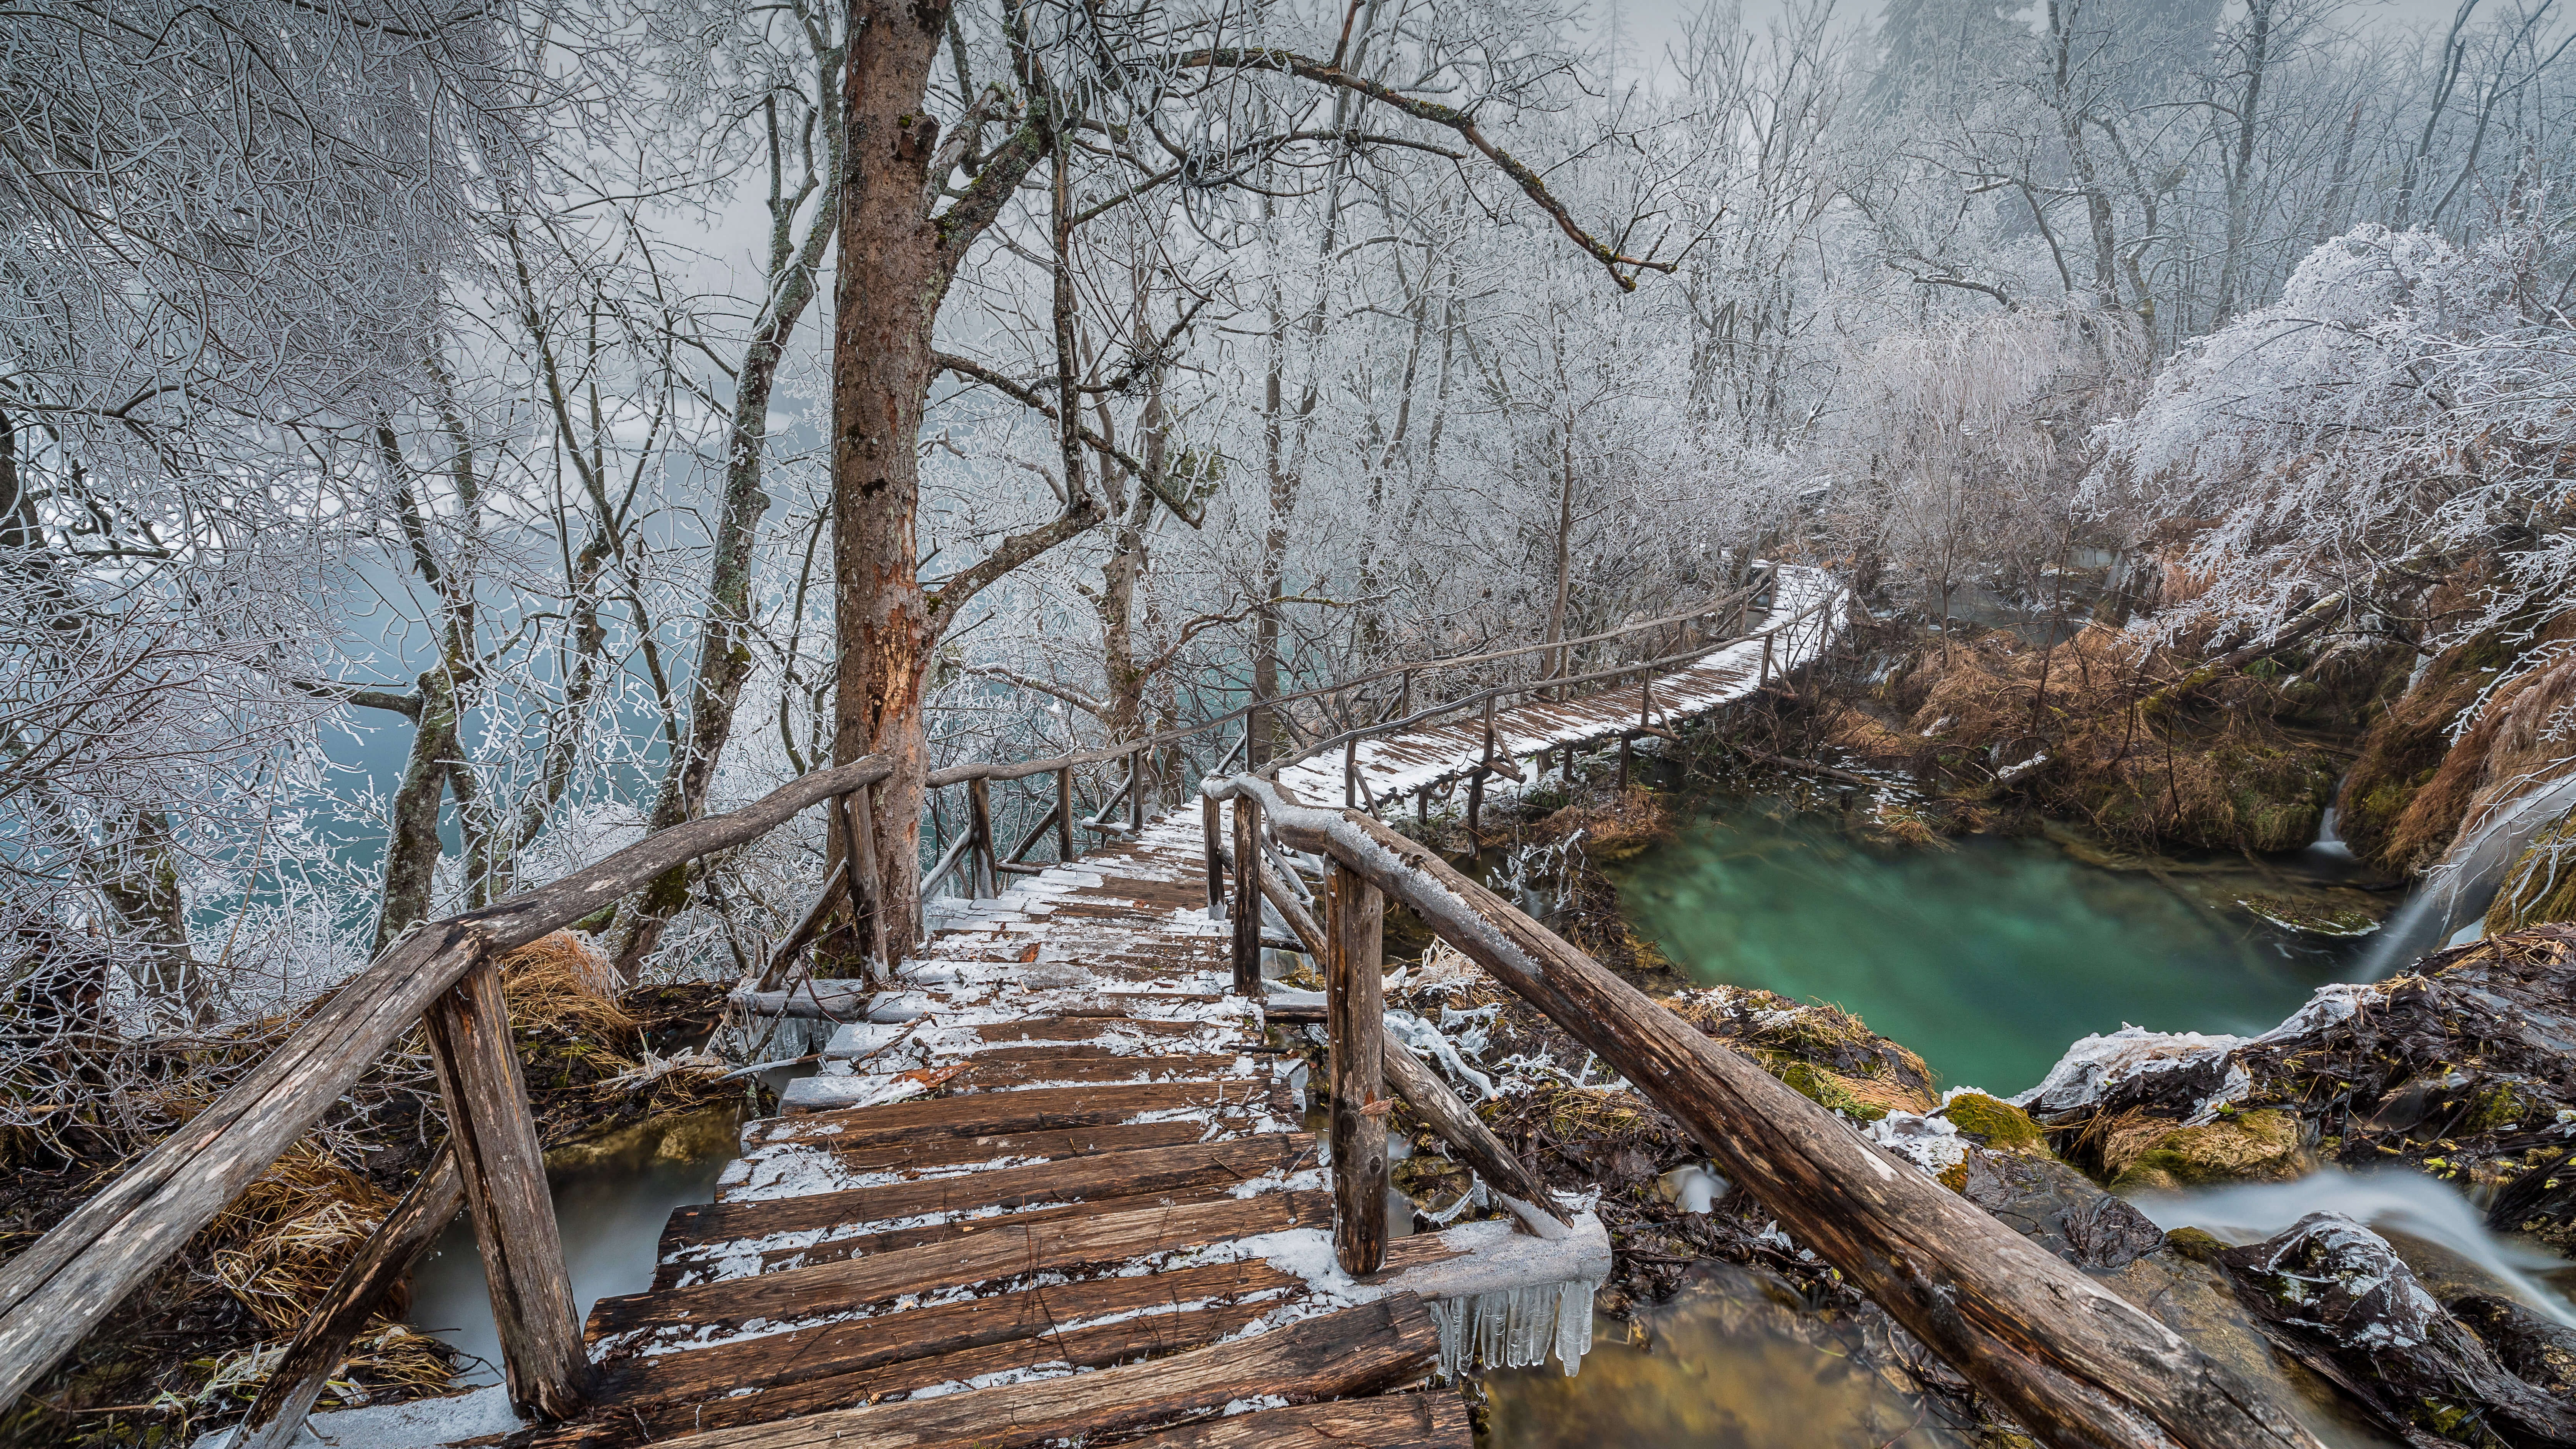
(830, 1093)
(737, 1214)
(686, 1262)
(930, 1149)
(1339, 1355)
(1434, 1419)
(836, 1365)
(1033, 1109)
(1008, 1251)
(1092, 1028)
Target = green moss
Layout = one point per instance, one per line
(2249, 1147)
(2196, 1245)
(2499, 1107)
(1955, 1176)
(2003, 1125)
(1823, 1088)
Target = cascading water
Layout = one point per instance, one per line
(2400, 1202)
(2456, 892)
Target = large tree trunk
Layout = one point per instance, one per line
(887, 293)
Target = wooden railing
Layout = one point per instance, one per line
(976, 862)
(443, 979)
(2073, 1362)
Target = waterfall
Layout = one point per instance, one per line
(2457, 892)
(2391, 1201)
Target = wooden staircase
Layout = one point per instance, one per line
(1057, 1185)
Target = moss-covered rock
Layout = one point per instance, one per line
(2245, 1147)
(1996, 1123)
(1829, 1089)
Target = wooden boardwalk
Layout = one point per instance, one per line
(1061, 1152)
(1805, 617)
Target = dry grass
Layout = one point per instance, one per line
(2148, 746)
(287, 1237)
(558, 981)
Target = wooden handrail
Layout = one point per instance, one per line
(63, 1285)
(2071, 1361)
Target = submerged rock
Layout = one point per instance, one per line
(2335, 1295)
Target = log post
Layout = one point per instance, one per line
(276, 1417)
(1212, 837)
(504, 1172)
(1355, 1019)
(1247, 897)
(1404, 700)
(979, 831)
(1350, 771)
(1766, 659)
(1064, 814)
(1136, 791)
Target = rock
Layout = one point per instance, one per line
(2466, 1070)
(2240, 1147)
(2056, 1207)
(2530, 1347)
(1991, 1122)
(2334, 1294)
(2132, 1069)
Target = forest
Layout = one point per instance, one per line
(444, 445)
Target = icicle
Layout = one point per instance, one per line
(1515, 1328)
(1574, 1324)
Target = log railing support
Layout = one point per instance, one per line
(296, 1381)
(1355, 1020)
(2070, 1360)
(1247, 898)
(1212, 837)
(1136, 793)
(1350, 771)
(1064, 814)
(504, 1172)
(979, 831)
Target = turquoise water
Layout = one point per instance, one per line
(1987, 958)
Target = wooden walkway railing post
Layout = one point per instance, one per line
(980, 864)
(1064, 814)
(504, 1170)
(1355, 1020)
(1247, 897)
(1212, 836)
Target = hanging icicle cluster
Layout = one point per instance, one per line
(1512, 1328)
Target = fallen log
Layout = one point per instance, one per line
(2074, 1363)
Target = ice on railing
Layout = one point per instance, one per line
(1515, 1328)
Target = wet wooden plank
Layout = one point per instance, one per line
(1120, 1174)
(1431, 1420)
(834, 1365)
(1029, 1110)
(1356, 1351)
(1008, 1251)
(947, 1149)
